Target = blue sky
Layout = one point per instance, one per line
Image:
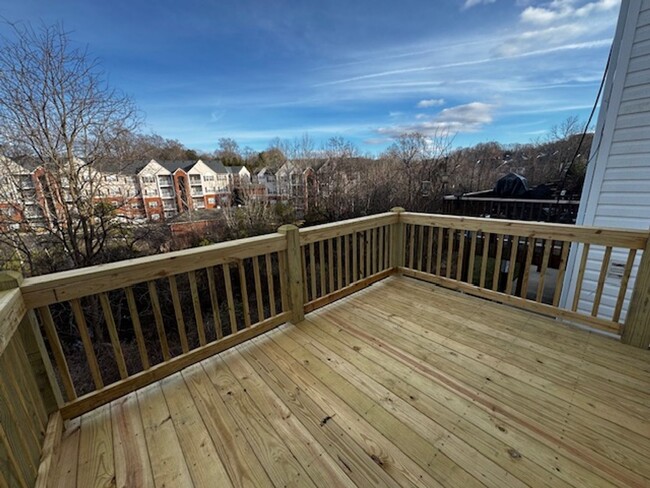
(363, 69)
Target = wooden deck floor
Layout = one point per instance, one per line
(402, 384)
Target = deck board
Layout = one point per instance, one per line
(401, 384)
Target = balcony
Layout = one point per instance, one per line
(391, 350)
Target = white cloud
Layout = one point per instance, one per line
(561, 10)
(430, 102)
(470, 117)
(474, 3)
(558, 23)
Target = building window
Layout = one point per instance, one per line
(148, 179)
(211, 200)
(208, 177)
(153, 204)
(155, 217)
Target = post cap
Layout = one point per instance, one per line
(397, 209)
(283, 229)
(10, 280)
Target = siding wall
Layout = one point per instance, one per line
(617, 186)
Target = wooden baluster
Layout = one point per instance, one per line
(497, 263)
(601, 281)
(269, 283)
(512, 261)
(548, 245)
(380, 257)
(330, 263)
(484, 258)
(112, 334)
(629, 264)
(581, 275)
(157, 315)
(472, 257)
(9, 452)
(346, 258)
(561, 272)
(530, 252)
(355, 264)
(430, 249)
(77, 311)
(15, 374)
(11, 446)
(321, 268)
(258, 288)
(230, 298)
(27, 390)
(461, 256)
(339, 262)
(196, 304)
(214, 302)
(178, 313)
(362, 255)
(244, 293)
(368, 236)
(137, 327)
(312, 271)
(57, 352)
(420, 246)
(374, 250)
(411, 230)
(441, 233)
(305, 291)
(284, 285)
(450, 252)
(388, 237)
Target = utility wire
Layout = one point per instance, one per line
(585, 130)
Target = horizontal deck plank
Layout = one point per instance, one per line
(403, 383)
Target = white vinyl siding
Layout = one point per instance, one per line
(617, 186)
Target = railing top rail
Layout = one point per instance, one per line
(335, 229)
(631, 239)
(67, 285)
(552, 201)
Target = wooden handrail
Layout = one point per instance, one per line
(67, 285)
(631, 239)
(322, 232)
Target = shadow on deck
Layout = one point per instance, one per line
(401, 384)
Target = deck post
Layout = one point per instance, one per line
(293, 272)
(34, 347)
(397, 241)
(636, 331)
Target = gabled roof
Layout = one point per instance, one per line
(234, 169)
(216, 166)
(172, 166)
(266, 171)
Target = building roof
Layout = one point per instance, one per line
(172, 166)
(215, 165)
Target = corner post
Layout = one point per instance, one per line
(397, 241)
(32, 343)
(293, 272)
(636, 331)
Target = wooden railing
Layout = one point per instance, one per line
(178, 308)
(338, 259)
(27, 397)
(72, 341)
(496, 259)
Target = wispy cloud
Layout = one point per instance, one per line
(430, 102)
(474, 3)
(465, 118)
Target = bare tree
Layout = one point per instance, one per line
(58, 114)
